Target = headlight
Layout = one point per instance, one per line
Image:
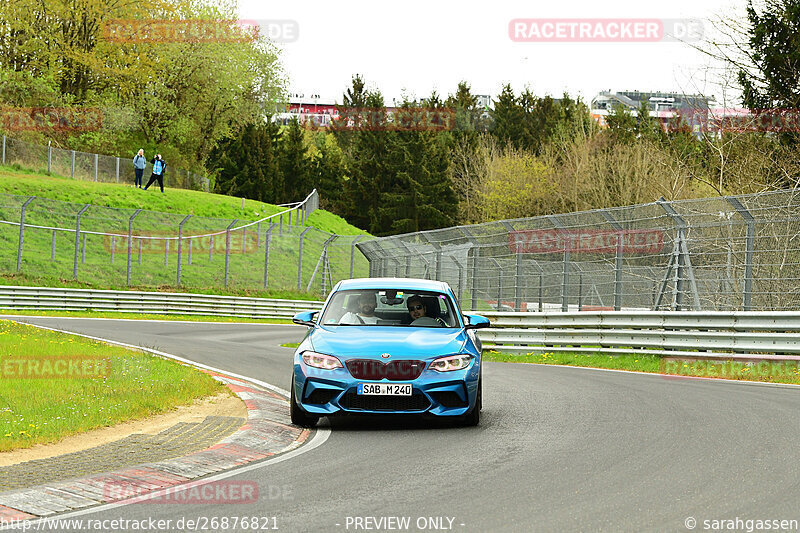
(451, 362)
(320, 360)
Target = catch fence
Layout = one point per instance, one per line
(725, 254)
(124, 247)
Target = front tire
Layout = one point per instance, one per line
(473, 418)
(300, 417)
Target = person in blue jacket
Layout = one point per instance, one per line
(139, 163)
(159, 166)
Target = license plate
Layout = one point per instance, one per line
(384, 389)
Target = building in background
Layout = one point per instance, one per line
(666, 107)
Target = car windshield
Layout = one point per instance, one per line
(390, 307)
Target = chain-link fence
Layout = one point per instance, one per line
(117, 247)
(91, 167)
(726, 253)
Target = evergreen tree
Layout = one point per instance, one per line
(246, 165)
(368, 160)
(420, 195)
(507, 118)
(621, 124)
(295, 163)
(330, 173)
(465, 107)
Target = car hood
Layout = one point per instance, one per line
(400, 342)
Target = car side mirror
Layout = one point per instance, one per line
(305, 318)
(476, 322)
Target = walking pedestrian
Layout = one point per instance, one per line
(159, 166)
(139, 163)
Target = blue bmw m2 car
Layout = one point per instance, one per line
(388, 345)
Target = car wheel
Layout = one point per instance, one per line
(473, 418)
(300, 417)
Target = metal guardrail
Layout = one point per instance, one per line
(44, 298)
(688, 334)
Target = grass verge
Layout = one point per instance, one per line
(51, 386)
(762, 371)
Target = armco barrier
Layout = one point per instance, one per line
(690, 334)
(44, 298)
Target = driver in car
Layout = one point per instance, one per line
(366, 311)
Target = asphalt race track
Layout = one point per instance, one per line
(558, 449)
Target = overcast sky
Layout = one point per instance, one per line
(415, 46)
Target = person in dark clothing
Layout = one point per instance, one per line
(159, 166)
(139, 163)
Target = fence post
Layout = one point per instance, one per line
(49, 156)
(300, 260)
(130, 245)
(228, 248)
(22, 231)
(72, 166)
(96, 164)
(112, 248)
(267, 239)
(4, 149)
(518, 284)
(210, 248)
(499, 285)
(565, 269)
(53, 247)
(118, 170)
(244, 240)
(280, 227)
(83, 250)
(166, 251)
(353, 253)
(180, 245)
(682, 261)
(748, 254)
(618, 260)
(541, 305)
(78, 239)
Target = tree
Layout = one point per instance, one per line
(295, 163)
(621, 124)
(773, 48)
(419, 195)
(368, 144)
(507, 118)
(247, 165)
(330, 172)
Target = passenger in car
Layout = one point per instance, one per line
(418, 311)
(366, 311)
